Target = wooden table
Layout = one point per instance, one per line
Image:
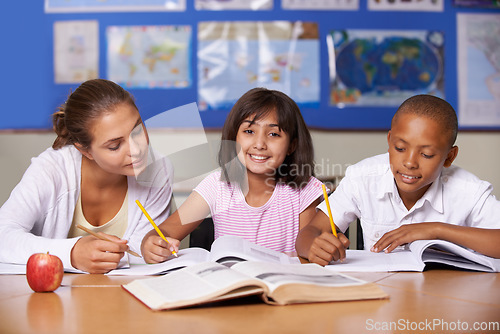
(418, 301)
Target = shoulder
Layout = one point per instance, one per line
(375, 166)
(66, 158)
(212, 182)
(460, 181)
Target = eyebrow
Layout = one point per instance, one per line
(139, 121)
(271, 125)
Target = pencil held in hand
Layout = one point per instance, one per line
(327, 202)
(99, 236)
(154, 225)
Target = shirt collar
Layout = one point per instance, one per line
(433, 195)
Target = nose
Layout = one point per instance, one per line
(136, 145)
(410, 160)
(260, 142)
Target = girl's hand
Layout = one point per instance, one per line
(326, 248)
(406, 234)
(155, 250)
(98, 256)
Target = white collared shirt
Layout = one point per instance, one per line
(368, 192)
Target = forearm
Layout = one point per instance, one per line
(305, 239)
(484, 241)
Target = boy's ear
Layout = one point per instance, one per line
(389, 137)
(452, 154)
(83, 151)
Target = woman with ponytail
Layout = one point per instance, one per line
(98, 165)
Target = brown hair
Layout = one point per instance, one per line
(73, 119)
(433, 108)
(298, 166)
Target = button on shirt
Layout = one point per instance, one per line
(368, 192)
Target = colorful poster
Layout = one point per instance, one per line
(149, 56)
(70, 6)
(409, 5)
(76, 51)
(233, 4)
(477, 3)
(234, 57)
(320, 4)
(383, 68)
(478, 45)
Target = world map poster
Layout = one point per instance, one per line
(384, 68)
(149, 56)
(234, 57)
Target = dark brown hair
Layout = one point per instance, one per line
(298, 166)
(73, 119)
(433, 108)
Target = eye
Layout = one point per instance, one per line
(428, 156)
(248, 131)
(399, 149)
(114, 148)
(274, 134)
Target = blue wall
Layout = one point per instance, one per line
(29, 95)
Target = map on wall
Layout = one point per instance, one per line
(69, 6)
(149, 56)
(234, 57)
(233, 4)
(478, 69)
(320, 4)
(383, 68)
(76, 51)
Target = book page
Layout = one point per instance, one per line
(454, 255)
(192, 285)
(367, 261)
(236, 249)
(276, 275)
(186, 257)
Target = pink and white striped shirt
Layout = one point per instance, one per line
(274, 225)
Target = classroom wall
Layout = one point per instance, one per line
(333, 152)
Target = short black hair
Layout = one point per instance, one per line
(433, 108)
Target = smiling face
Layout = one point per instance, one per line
(263, 145)
(119, 141)
(419, 148)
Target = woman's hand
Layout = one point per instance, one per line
(98, 256)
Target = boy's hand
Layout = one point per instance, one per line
(406, 234)
(326, 248)
(155, 250)
(98, 256)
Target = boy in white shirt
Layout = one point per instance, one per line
(410, 193)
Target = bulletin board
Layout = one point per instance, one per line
(30, 93)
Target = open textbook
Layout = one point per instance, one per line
(224, 249)
(279, 284)
(415, 257)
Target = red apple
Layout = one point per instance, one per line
(44, 272)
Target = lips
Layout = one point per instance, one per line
(258, 158)
(406, 178)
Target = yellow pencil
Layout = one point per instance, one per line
(153, 223)
(103, 238)
(334, 231)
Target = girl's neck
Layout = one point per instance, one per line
(258, 189)
(95, 176)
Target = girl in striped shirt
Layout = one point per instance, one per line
(265, 190)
